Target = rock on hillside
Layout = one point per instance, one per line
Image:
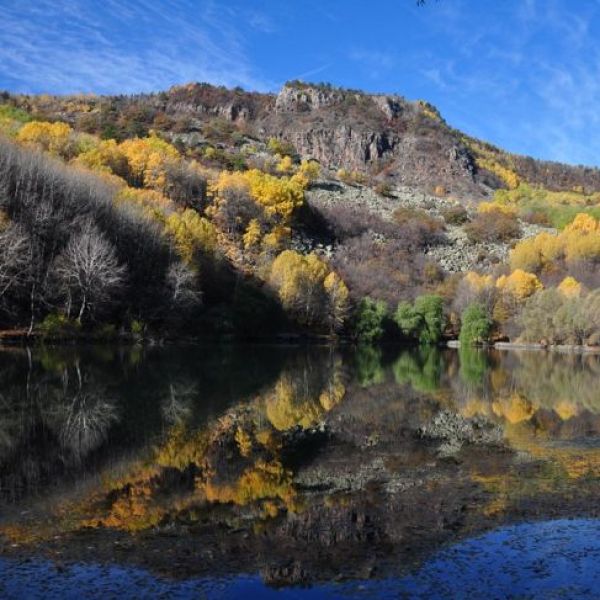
(387, 137)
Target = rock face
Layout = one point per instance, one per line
(396, 140)
(387, 136)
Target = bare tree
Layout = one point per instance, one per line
(88, 271)
(15, 252)
(183, 286)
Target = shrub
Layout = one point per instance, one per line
(369, 319)
(281, 147)
(56, 325)
(423, 320)
(384, 189)
(455, 215)
(476, 325)
(492, 226)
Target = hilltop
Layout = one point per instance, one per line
(386, 138)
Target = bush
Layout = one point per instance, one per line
(384, 189)
(369, 319)
(493, 226)
(455, 215)
(423, 320)
(431, 307)
(476, 325)
(56, 325)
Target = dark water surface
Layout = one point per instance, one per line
(262, 471)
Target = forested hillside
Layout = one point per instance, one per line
(207, 212)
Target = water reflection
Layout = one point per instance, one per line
(300, 463)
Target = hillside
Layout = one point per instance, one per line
(206, 212)
(387, 138)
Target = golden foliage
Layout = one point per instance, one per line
(264, 480)
(147, 160)
(191, 233)
(582, 223)
(279, 196)
(54, 138)
(309, 170)
(519, 284)
(285, 165)
(497, 207)
(252, 235)
(243, 441)
(580, 240)
(514, 408)
(308, 289)
(287, 408)
(507, 175)
(106, 156)
(570, 287)
(153, 204)
(478, 283)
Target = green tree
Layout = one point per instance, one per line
(431, 308)
(476, 325)
(369, 319)
(424, 320)
(408, 320)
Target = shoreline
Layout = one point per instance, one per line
(558, 348)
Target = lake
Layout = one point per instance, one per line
(304, 472)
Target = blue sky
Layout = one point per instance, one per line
(524, 74)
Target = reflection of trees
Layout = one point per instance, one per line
(82, 421)
(474, 365)
(304, 393)
(421, 369)
(53, 413)
(369, 367)
(177, 405)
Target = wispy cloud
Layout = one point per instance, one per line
(534, 69)
(82, 45)
(374, 62)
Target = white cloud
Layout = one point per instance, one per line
(72, 45)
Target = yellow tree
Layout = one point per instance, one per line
(252, 235)
(106, 157)
(337, 300)
(148, 160)
(55, 138)
(299, 281)
(191, 233)
(519, 284)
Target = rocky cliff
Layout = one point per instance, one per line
(386, 137)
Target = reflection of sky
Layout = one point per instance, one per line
(537, 560)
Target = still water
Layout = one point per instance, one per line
(264, 471)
